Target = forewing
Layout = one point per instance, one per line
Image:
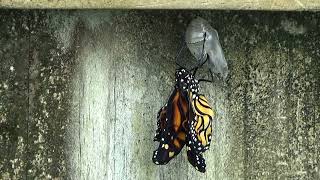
(200, 124)
(172, 134)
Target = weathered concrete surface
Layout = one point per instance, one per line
(13, 94)
(34, 107)
(79, 93)
(283, 5)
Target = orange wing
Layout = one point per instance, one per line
(200, 123)
(200, 131)
(171, 132)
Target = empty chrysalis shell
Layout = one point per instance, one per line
(197, 30)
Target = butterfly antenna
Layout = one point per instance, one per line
(205, 80)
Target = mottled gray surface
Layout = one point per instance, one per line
(79, 93)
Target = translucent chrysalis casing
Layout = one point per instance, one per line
(203, 41)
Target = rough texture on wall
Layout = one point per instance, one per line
(79, 93)
(283, 5)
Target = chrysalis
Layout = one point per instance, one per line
(203, 42)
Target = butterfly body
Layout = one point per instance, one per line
(184, 120)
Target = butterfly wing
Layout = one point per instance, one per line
(200, 124)
(200, 131)
(196, 160)
(171, 132)
(195, 157)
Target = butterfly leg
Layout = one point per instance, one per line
(206, 80)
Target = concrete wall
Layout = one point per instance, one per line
(79, 93)
(282, 5)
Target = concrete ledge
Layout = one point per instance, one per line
(281, 5)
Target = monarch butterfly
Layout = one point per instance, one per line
(186, 119)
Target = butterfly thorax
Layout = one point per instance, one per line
(185, 81)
